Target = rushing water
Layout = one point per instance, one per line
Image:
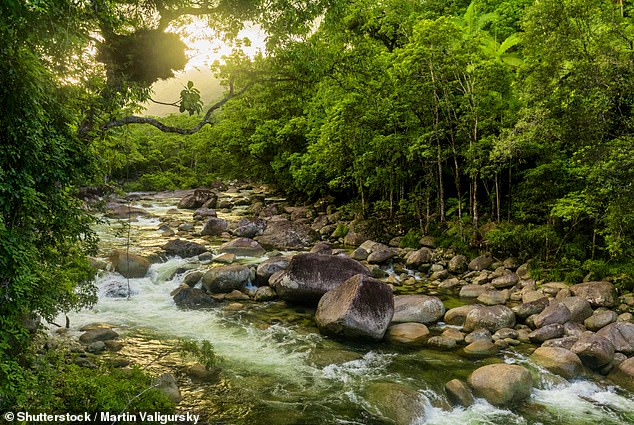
(278, 369)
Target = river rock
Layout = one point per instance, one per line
(594, 350)
(268, 267)
(505, 281)
(381, 255)
(454, 334)
(623, 374)
(309, 276)
(574, 329)
(322, 247)
(226, 278)
(236, 295)
(441, 343)
(493, 297)
(482, 262)
(396, 402)
(555, 314)
(417, 308)
(621, 335)
(530, 308)
(560, 361)
(459, 393)
(599, 319)
(580, 308)
(417, 258)
(472, 291)
(361, 307)
(243, 247)
(286, 235)
(200, 197)
(479, 334)
(491, 318)
(457, 315)
(481, 348)
(166, 384)
(407, 333)
(598, 294)
(545, 333)
(457, 264)
(566, 342)
(128, 264)
(183, 248)
(501, 384)
(225, 258)
(121, 212)
(203, 213)
(214, 226)
(265, 293)
(102, 334)
(191, 279)
(193, 298)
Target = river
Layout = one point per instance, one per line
(278, 369)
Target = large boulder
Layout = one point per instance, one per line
(200, 197)
(600, 319)
(417, 258)
(166, 384)
(417, 308)
(598, 294)
(268, 267)
(529, 308)
(309, 276)
(554, 314)
(491, 318)
(501, 384)
(186, 297)
(99, 334)
(594, 351)
(623, 374)
(121, 211)
(621, 335)
(407, 333)
(396, 402)
(284, 234)
(183, 248)
(214, 227)
(505, 281)
(128, 264)
(249, 228)
(457, 264)
(243, 247)
(361, 307)
(580, 308)
(482, 262)
(457, 315)
(459, 393)
(226, 278)
(558, 360)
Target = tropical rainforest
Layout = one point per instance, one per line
(495, 125)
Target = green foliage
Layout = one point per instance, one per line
(203, 351)
(411, 239)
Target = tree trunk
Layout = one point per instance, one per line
(497, 197)
(441, 188)
(475, 202)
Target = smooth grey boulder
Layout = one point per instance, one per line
(560, 361)
(501, 384)
(226, 278)
(200, 198)
(598, 294)
(100, 334)
(457, 315)
(166, 384)
(491, 318)
(547, 332)
(505, 281)
(417, 258)
(407, 333)
(285, 235)
(459, 393)
(399, 404)
(457, 264)
(129, 265)
(623, 374)
(483, 262)
(183, 248)
(265, 293)
(309, 276)
(530, 308)
(361, 307)
(214, 227)
(580, 308)
(268, 267)
(594, 351)
(243, 247)
(621, 335)
(599, 319)
(193, 298)
(417, 308)
(554, 314)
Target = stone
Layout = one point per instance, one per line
(560, 361)
(225, 258)
(472, 291)
(505, 333)
(265, 293)
(183, 248)
(407, 333)
(545, 333)
(580, 308)
(381, 256)
(361, 307)
(200, 197)
(449, 284)
(623, 374)
(101, 334)
(441, 343)
(599, 319)
(417, 258)
(129, 265)
(566, 342)
(553, 288)
(594, 350)
(478, 334)
(193, 298)
(483, 262)
(166, 384)
(214, 226)
(492, 318)
(96, 347)
(226, 278)
(243, 247)
(530, 308)
(360, 254)
(501, 384)
(287, 235)
(236, 295)
(309, 276)
(191, 279)
(505, 281)
(532, 295)
(121, 212)
(454, 334)
(199, 373)
(203, 213)
(493, 297)
(555, 314)
(396, 402)
(598, 294)
(573, 329)
(459, 393)
(417, 308)
(268, 267)
(457, 315)
(439, 275)
(322, 247)
(457, 264)
(621, 335)
(481, 348)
